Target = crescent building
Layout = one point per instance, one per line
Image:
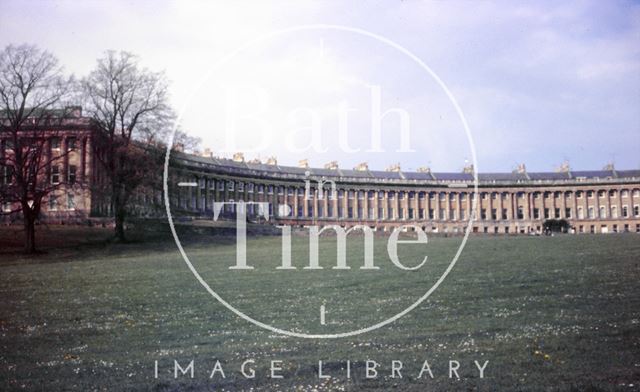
(518, 202)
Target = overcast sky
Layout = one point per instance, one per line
(538, 83)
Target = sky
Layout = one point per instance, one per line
(538, 83)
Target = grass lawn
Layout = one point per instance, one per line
(548, 313)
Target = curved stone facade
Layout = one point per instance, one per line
(602, 201)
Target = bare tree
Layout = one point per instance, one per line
(128, 104)
(32, 90)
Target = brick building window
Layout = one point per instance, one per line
(53, 202)
(71, 201)
(55, 174)
(71, 176)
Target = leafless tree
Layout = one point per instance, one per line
(128, 104)
(32, 91)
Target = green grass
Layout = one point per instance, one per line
(549, 313)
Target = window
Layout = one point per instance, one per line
(580, 213)
(494, 214)
(625, 211)
(603, 212)
(6, 206)
(55, 174)
(443, 216)
(250, 187)
(463, 196)
(241, 187)
(71, 176)
(614, 212)
(601, 194)
(230, 185)
(281, 190)
(349, 212)
(536, 213)
(483, 214)
(7, 175)
(624, 193)
(590, 194)
(579, 194)
(71, 143)
(546, 213)
(380, 213)
(53, 202)
(504, 214)
(71, 202)
(556, 213)
(270, 190)
(55, 143)
(567, 213)
(431, 213)
(520, 213)
(462, 215)
(421, 213)
(591, 213)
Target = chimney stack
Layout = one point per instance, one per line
(333, 165)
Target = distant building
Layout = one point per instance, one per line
(600, 201)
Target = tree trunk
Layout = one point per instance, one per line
(120, 212)
(29, 232)
(120, 217)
